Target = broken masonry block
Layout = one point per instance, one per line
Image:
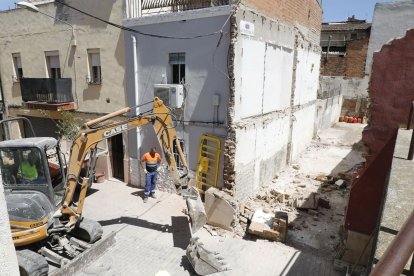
(344, 176)
(321, 178)
(271, 235)
(280, 225)
(308, 203)
(243, 219)
(324, 203)
(256, 228)
(242, 208)
(340, 183)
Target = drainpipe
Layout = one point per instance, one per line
(136, 94)
(139, 13)
(126, 9)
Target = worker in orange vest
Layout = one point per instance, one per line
(152, 165)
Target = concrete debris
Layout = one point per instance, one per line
(218, 209)
(261, 195)
(269, 226)
(321, 178)
(306, 203)
(324, 203)
(340, 183)
(345, 176)
(312, 194)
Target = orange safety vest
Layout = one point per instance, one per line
(151, 162)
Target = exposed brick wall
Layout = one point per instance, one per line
(333, 66)
(229, 173)
(352, 65)
(391, 90)
(356, 55)
(391, 93)
(308, 13)
(354, 107)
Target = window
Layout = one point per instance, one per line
(177, 63)
(354, 36)
(17, 65)
(94, 63)
(53, 64)
(22, 166)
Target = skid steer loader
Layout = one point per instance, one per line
(45, 196)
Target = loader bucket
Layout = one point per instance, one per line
(203, 261)
(196, 210)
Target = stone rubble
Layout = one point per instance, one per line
(313, 201)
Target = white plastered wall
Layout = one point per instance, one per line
(270, 111)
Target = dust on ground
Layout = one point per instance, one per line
(313, 191)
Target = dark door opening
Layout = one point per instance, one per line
(117, 156)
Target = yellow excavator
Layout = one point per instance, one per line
(45, 196)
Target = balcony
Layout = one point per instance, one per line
(48, 94)
(151, 7)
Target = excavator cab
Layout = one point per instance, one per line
(34, 164)
(34, 183)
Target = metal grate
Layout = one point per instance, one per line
(181, 5)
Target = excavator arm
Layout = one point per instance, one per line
(103, 128)
(203, 261)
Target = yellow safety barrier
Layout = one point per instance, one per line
(208, 162)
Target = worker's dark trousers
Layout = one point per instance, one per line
(150, 183)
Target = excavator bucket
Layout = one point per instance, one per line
(204, 262)
(196, 210)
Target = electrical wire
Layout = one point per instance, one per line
(139, 32)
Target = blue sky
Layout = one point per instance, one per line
(339, 10)
(6, 4)
(334, 10)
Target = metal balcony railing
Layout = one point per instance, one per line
(46, 90)
(335, 43)
(158, 6)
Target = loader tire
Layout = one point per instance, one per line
(87, 230)
(31, 263)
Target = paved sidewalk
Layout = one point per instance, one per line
(152, 237)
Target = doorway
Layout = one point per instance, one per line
(117, 156)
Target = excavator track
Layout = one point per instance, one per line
(31, 263)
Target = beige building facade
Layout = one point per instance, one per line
(62, 59)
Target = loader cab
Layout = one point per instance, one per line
(33, 164)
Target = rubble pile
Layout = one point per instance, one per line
(312, 196)
(312, 208)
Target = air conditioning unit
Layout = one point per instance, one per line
(171, 94)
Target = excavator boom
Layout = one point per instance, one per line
(102, 128)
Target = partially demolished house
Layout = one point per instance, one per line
(250, 72)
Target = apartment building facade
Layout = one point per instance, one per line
(250, 70)
(59, 59)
